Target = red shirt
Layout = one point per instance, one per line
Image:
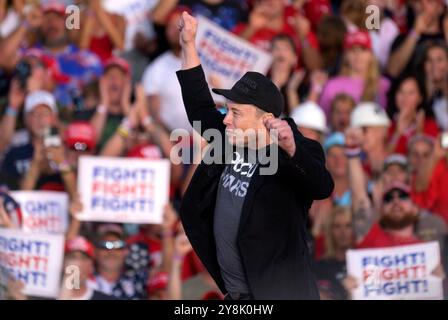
(430, 128)
(435, 198)
(379, 238)
(102, 46)
(262, 37)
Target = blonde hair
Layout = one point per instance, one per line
(330, 246)
(371, 79)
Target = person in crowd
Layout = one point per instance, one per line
(79, 254)
(139, 136)
(384, 36)
(271, 17)
(420, 148)
(331, 33)
(115, 100)
(433, 73)
(336, 160)
(407, 48)
(331, 268)
(39, 163)
(18, 28)
(374, 123)
(406, 220)
(110, 255)
(341, 109)
(101, 32)
(334, 147)
(393, 226)
(409, 112)
(53, 37)
(360, 74)
(430, 182)
(283, 72)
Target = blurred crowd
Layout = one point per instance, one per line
(373, 90)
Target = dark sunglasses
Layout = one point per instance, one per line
(390, 196)
(111, 245)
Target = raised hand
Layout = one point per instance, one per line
(285, 137)
(181, 245)
(188, 27)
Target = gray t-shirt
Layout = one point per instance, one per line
(232, 191)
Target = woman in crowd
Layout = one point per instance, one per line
(434, 72)
(360, 74)
(409, 113)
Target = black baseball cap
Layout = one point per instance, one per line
(255, 88)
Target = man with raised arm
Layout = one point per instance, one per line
(247, 224)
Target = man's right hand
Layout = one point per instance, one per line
(188, 26)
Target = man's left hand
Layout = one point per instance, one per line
(285, 138)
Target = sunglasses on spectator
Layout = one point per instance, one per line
(80, 146)
(390, 196)
(111, 245)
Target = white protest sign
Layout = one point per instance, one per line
(226, 55)
(43, 211)
(403, 272)
(125, 190)
(32, 258)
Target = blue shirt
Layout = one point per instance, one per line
(82, 66)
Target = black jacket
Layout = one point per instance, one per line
(272, 232)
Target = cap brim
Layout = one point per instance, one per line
(232, 95)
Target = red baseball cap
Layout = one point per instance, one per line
(358, 38)
(115, 61)
(54, 6)
(315, 10)
(79, 244)
(80, 136)
(146, 151)
(50, 63)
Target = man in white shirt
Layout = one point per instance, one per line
(161, 85)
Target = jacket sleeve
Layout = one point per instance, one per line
(198, 100)
(308, 165)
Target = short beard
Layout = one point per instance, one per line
(387, 222)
